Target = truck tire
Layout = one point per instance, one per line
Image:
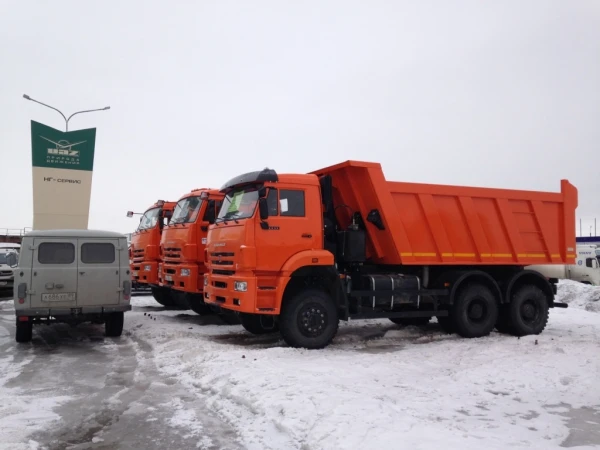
(113, 327)
(406, 321)
(159, 295)
(24, 331)
(475, 311)
(258, 323)
(528, 311)
(197, 305)
(309, 320)
(229, 317)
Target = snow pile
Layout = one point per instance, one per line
(579, 295)
(379, 386)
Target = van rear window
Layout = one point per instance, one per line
(97, 253)
(56, 253)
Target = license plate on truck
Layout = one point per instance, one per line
(169, 277)
(2, 283)
(135, 273)
(59, 297)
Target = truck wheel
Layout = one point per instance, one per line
(309, 320)
(475, 311)
(229, 317)
(113, 327)
(406, 321)
(197, 305)
(258, 323)
(528, 311)
(24, 331)
(159, 295)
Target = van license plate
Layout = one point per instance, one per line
(168, 278)
(59, 297)
(2, 283)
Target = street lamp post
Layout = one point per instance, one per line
(27, 97)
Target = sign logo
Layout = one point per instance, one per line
(63, 148)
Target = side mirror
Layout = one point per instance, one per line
(262, 192)
(11, 259)
(167, 214)
(210, 214)
(129, 213)
(263, 208)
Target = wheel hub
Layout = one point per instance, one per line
(529, 311)
(312, 320)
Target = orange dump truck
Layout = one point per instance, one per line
(145, 243)
(182, 249)
(298, 252)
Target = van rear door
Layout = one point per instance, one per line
(98, 272)
(54, 273)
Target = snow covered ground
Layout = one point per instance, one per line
(378, 386)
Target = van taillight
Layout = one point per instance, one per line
(23, 319)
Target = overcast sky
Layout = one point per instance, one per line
(498, 94)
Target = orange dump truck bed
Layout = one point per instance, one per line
(428, 224)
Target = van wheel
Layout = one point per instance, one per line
(24, 331)
(258, 323)
(113, 327)
(309, 320)
(528, 311)
(475, 311)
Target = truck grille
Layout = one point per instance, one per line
(138, 255)
(172, 253)
(223, 260)
(6, 273)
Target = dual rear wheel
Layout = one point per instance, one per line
(476, 312)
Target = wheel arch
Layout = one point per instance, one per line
(461, 279)
(322, 277)
(529, 277)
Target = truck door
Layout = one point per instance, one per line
(98, 272)
(294, 225)
(54, 273)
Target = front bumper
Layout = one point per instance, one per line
(139, 274)
(7, 284)
(56, 312)
(171, 277)
(220, 292)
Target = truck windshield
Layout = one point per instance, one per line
(186, 210)
(149, 219)
(239, 204)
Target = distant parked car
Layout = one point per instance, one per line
(71, 276)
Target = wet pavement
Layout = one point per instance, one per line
(116, 397)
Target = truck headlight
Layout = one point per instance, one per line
(147, 268)
(241, 286)
(185, 272)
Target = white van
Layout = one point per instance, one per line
(71, 276)
(585, 270)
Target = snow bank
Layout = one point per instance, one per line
(379, 386)
(579, 295)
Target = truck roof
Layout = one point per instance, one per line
(75, 233)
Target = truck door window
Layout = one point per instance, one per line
(272, 202)
(291, 203)
(56, 253)
(97, 253)
(209, 214)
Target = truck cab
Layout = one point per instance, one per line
(71, 276)
(182, 245)
(586, 269)
(144, 248)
